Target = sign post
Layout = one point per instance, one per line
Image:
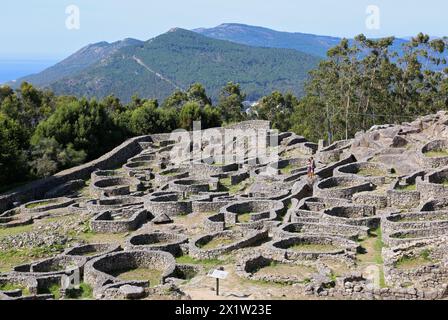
(218, 274)
(217, 286)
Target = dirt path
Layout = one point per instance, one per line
(203, 287)
(160, 76)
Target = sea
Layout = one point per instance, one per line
(12, 69)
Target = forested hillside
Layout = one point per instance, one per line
(175, 60)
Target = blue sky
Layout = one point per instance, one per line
(36, 28)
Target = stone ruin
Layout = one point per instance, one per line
(139, 224)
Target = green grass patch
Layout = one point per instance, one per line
(13, 257)
(12, 286)
(93, 237)
(54, 289)
(378, 246)
(204, 262)
(244, 217)
(437, 153)
(372, 248)
(287, 169)
(382, 278)
(154, 276)
(409, 187)
(218, 164)
(38, 204)
(5, 232)
(84, 292)
(422, 259)
(226, 185)
(312, 247)
(217, 242)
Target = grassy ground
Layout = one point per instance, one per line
(311, 247)
(294, 153)
(15, 230)
(371, 172)
(282, 269)
(11, 287)
(93, 237)
(218, 242)
(39, 204)
(372, 248)
(84, 292)
(206, 262)
(154, 276)
(410, 187)
(414, 262)
(226, 185)
(232, 189)
(244, 217)
(437, 153)
(287, 169)
(13, 257)
(55, 290)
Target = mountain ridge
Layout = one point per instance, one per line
(78, 61)
(184, 57)
(265, 37)
(91, 70)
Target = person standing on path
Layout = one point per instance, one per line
(311, 167)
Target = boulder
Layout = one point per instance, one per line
(132, 292)
(162, 219)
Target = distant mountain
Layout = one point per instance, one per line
(78, 62)
(259, 59)
(175, 60)
(264, 37)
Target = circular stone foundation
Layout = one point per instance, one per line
(251, 212)
(152, 267)
(213, 245)
(46, 205)
(373, 172)
(162, 241)
(312, 247)
(341, 187)
(190, 186)
(91, 251)
(261, 268)
(115, 186)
